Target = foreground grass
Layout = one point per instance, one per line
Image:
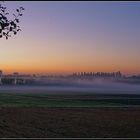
(44, 100)
(35, 101)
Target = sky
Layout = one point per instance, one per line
(66, 37)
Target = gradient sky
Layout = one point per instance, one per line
(65, 37)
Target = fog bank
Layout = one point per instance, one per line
(80, 86)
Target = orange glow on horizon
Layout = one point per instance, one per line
(66, 70)
(77, 39)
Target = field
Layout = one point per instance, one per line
(64, 99)
(62, 114)
(69, 122)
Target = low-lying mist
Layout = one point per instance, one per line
(80, 86)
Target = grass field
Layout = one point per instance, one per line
(62, 100)
(30, 115)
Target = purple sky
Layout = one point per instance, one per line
(60, 37)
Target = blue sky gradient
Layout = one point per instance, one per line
(61, 37)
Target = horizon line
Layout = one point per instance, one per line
(66, 73)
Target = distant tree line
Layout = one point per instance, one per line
(98, 74)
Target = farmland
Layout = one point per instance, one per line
(44, 122)
(68, 114)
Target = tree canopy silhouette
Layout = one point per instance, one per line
(7, 26)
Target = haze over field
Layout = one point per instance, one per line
(67, 37)
(74, 88)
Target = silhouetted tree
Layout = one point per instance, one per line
(8, 26)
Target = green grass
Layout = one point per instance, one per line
(44, 100)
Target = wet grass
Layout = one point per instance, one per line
(45, 100)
